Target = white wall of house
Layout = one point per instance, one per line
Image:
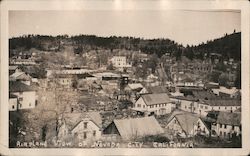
(200, 128)
(158, 109)
(175, 127)
(87, 130)
(65, 82)
(189, 84)
(26, 99)
(12, 104)
(186, 105)
(204, 108)
(120, 62)
(224, 131)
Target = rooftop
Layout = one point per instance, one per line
(223, 102)
(133, 127)
(16, 86)
(151, 99)
(157, 89)
(229, 118)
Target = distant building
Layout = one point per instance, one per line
(13, 69)
(120, 62)
(224, 105)
(81, 126)
(225, 92)
(157, 89)
(22, 77)
(133, 128)
(227, 124)
(13, 102)
(26, 95)
(188, 104)
(158, 104)
(22, 62)
(187, 125)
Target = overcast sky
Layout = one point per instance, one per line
(184, 27)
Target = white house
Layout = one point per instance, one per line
(158, 104)
(187, 125)
(21, 76)
(82, 126)
(26, 95)
(227, 124)
(120, 62)
(188, 104)
(226, 92)
(12, 102)
(224, 105)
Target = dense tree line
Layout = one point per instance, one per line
(228, 46)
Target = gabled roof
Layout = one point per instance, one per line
(136, 127)
(223, 102)
(13, 67)
(229, 118)
(19, 76)
(187, 121)
(157, 89)
(73, 119)
(151, 99)
(16, 86)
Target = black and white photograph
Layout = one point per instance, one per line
(148, 79)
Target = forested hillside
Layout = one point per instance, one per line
(228, 46)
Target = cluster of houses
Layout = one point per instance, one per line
(22, 91)
(210, 110)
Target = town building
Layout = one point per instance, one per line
(158, 104)
(224, 105)
(187, 125)
(22, 77)
(120, 62)
(132, 128)
(188, 104)
(227, 92)
(227, 124)
(13, 69)
(82, 126)
(26, 95)
(12, 102)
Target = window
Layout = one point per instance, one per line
(143, 106)
(220, 125)
(201, 106)
(85, 125)
(20, 99)
(233, 128)
(30, 104)
(13, 107)
(138, 105)
(225, 107)
(225, 126)
(94, 133)
(219, 107)
(20, 105)
(205, 107)
(84, 135)
(225, 134)
(220, 133)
